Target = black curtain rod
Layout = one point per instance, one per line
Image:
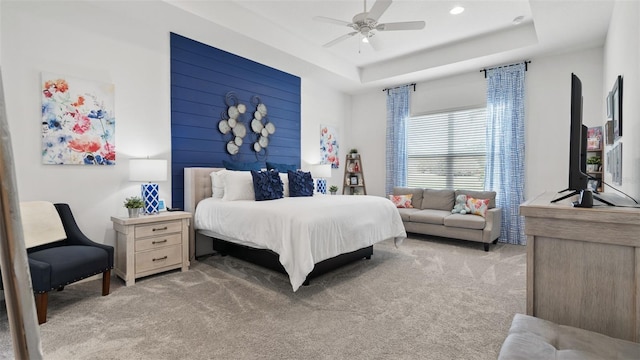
(498, 67)
(412, 84)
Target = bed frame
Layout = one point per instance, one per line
(197, 186)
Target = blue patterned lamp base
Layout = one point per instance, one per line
(321, 186)
(150, 195)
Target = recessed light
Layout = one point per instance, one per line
(517, 20)
(456, 10)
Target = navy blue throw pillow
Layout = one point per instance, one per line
(242, 166)
(283, 168)
(267, 185)
(300, 183)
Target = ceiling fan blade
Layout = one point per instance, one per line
(407, 25)
(331, 21)
(378, 9)
(341, 38)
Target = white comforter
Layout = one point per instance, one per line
(303, 230)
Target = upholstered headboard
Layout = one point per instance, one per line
(197, 186)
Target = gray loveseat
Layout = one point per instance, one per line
(431, 215)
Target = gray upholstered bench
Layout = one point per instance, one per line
(533, 338)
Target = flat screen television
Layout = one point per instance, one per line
(578, 178)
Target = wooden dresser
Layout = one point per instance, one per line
(151, 244)
(583, 266)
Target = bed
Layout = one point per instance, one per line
(303, 237)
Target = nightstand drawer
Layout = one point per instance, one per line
(165, 227)
(158, 242)
(155, 259)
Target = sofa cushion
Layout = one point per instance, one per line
(535, 338)
(429, 216)
(438, 199)
(416, 198)
(405, 213)
(464, 221)
(491, 195)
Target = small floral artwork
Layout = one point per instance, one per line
(329, 146)
(78, 121)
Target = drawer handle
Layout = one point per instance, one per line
(160, 229)
(159, 241)
(162, 258)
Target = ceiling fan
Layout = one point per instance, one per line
(366, 23)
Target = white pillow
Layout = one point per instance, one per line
(238, 185)
(284, 177)
(217, 183)
(41, 223)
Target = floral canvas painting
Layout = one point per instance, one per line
(78, 121)
(329, 146)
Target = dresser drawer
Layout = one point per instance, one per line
(158, 242)
(160, 228)
(159, 258)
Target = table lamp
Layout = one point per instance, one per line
(321, 172)
(149, 170)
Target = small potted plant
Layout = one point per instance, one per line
(353, 153)
(134, 204)
(333, 189)
(593, 164)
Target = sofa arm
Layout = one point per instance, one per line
(493, 225)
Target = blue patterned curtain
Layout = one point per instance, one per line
(397, 115)
(504, 172)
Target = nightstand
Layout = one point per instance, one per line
(151, 244)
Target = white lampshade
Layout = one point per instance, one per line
(321, 171)
(148, 170)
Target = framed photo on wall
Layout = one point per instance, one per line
(616, 107)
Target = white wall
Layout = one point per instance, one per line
(621, 58)
(548, 89)
(548, 111)
(324, 106)
(117, 42)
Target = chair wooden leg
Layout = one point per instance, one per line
(106, 282)
(41, 307)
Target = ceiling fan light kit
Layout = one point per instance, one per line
(366, 23)
(456, 10)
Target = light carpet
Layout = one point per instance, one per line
(430, 298)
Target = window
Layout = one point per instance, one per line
(447, 150)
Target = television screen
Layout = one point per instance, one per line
(577, 140)
(578, 179)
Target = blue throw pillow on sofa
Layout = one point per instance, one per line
(242, 166)
(267, 185)
(283, 168)
(300, 183)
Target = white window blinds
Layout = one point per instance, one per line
(447, 150)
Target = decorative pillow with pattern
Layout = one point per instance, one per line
(401, 201)
(267, 185)
(300, 183)
(478, 206)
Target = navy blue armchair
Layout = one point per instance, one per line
(63, 262)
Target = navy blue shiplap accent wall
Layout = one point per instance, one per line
(201, 76)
